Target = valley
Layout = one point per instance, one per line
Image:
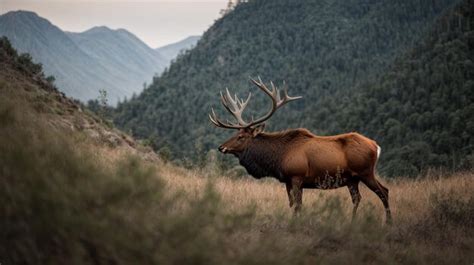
(142, 181)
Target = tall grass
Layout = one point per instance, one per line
(62, 202)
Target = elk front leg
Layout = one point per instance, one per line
(290, 195)
(297, 192)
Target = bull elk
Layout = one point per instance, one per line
(297, 157)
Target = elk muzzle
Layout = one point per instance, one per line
(223, 149)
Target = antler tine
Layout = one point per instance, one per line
(242, 103)
(263, 87)
(275, 92)
(287, 98)
(226, 100)
(225, 103)
(235, 106)
(213, 118)
(218, 123)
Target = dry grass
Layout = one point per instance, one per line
(433, 218)
(407, 196)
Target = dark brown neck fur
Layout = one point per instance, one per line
(263, 156)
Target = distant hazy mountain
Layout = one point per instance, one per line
(84, 63)
(170, 51)
(129, 60)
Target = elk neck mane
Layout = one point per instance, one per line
(263, 156)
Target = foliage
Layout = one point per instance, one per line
(23, 62)
(100, 107)
(327, 51)
(51, 79)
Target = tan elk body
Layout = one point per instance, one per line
(299, 158)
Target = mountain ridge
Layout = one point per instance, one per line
(170, 51)
(84, 63)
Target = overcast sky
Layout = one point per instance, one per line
(157, 22)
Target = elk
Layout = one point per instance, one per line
(297, 157)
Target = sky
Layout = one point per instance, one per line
(156, 22)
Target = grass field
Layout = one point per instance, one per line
(433, 218)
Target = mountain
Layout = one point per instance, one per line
(130, 61)
(172, 50)
(84, 63)
(59, 55)
(324, 50)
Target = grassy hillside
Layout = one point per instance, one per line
(24, 86)
(319, 47)
(73, 190)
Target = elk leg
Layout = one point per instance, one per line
(290, 195)
(355, 195)
(382, 192)
(385, 203)
(297, 193)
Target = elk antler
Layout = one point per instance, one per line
(274, 94)
(236, 106)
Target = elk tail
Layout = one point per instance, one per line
(379, 150)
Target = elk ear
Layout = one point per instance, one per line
(258, 129)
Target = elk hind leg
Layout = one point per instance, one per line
(355, 195)
(381, 192)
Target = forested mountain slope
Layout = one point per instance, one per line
(317, 47)
(422, 110)
(170, 51)
(84, 63)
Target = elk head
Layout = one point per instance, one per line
(247, 130)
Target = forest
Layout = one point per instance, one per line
(422, 109)
(399, 72)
